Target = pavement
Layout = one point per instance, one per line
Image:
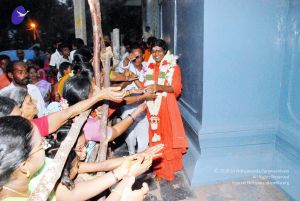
(180, 190)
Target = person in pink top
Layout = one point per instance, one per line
(48, 124)
(78, 88)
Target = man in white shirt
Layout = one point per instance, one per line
(138, 132)
(62, 54)
(55, 58)
(19, 76)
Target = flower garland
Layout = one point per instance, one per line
(166, 71)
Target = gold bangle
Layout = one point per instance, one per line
(117, 192)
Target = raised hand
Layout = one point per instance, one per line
(151, 151)
(112, 93)
(140, 165)
(131, 57)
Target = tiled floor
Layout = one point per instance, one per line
(179, 189)
(234, 191)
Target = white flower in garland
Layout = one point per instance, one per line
(171, 59)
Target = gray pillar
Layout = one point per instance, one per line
(116, 45)
(79, 19)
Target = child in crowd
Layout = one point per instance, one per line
(65, 69)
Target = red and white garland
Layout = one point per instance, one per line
(166, 71)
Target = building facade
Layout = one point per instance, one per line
(241, 86)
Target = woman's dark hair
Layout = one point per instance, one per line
(61, 134)
(78, 43)
(7, 105)
(81, 63)
(160, 43)
(84, 69)
(76, 88)
(17, 94)
(82, 55)
(15, 145)
(65, 175)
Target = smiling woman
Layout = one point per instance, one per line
(164, 78)
(21, 156)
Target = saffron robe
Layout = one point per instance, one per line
(171, 130)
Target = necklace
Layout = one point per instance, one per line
(12, 190)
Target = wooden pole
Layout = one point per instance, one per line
(98, 43)
(96, 22)
(53, 173)
(102, 152)
(100, 50)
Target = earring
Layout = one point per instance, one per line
(27, 174)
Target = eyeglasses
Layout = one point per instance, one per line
(81, 148)
(137, 57)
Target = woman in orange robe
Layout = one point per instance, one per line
(170, 130)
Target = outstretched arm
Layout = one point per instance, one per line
(145, 96)
(111, 164)
(123, 125)
(88, 189)
(57, 119)
(83, 190)
(103, 166)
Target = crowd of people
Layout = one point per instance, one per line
(41, 98)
